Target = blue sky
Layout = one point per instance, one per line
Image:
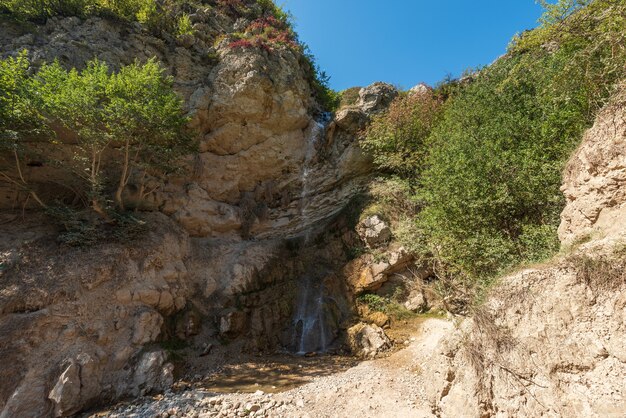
(405, 42)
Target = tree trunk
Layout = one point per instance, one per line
(123, 177)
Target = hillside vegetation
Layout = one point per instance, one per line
(476, 164)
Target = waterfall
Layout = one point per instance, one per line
(314, 135)
(313, 317)
(312, 333)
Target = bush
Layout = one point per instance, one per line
(349, 97)
(397, 139)
(491, 188)
(20, 121)
(134, 111)
(126, 124)
(385, 305)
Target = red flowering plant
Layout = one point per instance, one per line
(267, 33)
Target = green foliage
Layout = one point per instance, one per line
(483, 166)
(20, 120)
(19, 116)
(135, 110)
(184, 26)
(386, 305)
(397, 138)
(269, 7)
(129, 123)
(492, 184)
(328, 98)
(158, 16)
(373, 301)
(349, 97)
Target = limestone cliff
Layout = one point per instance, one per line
(550, 341)
(227, 242)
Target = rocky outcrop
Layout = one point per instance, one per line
(374, 232)
(75, 324)
(254, 112)
(595, 178)
(550, 341)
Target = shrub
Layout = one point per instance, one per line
(397, 139)
(184, 25)
(385, 305)
(133, 115)
(349, 97)
(492, 184)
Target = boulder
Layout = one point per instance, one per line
(420, 89)
(379, 319)
(153, 373)
(66, 392)
(376, 97)
(374, 232)
(416, 302)
(351, 119)
(76, 386)
(367, 340)
(365, 275)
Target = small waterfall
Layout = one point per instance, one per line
(314, 135)
(314, 321)
(312, 316)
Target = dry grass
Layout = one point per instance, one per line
(601, 272)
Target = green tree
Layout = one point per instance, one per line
(134, 112)
(20, 119)
(146, 118)
(78, 101)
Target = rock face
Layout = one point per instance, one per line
(550, 341)
(233, 236)
(376, 97)
(595, 178)
(74, 325)
(547, 343)
(368, 274)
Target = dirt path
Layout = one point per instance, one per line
(386, 387)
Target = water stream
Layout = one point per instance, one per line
(312, 333)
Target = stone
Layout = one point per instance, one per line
(376, 97)
(66, 392)
(374, 232)
(153, 373)
(416, 302)
(420, 89)
(147, 327)
(252, 407)
(351, 119)
(378, 319)
(366, 275)
(232, 324)
(367, 340)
